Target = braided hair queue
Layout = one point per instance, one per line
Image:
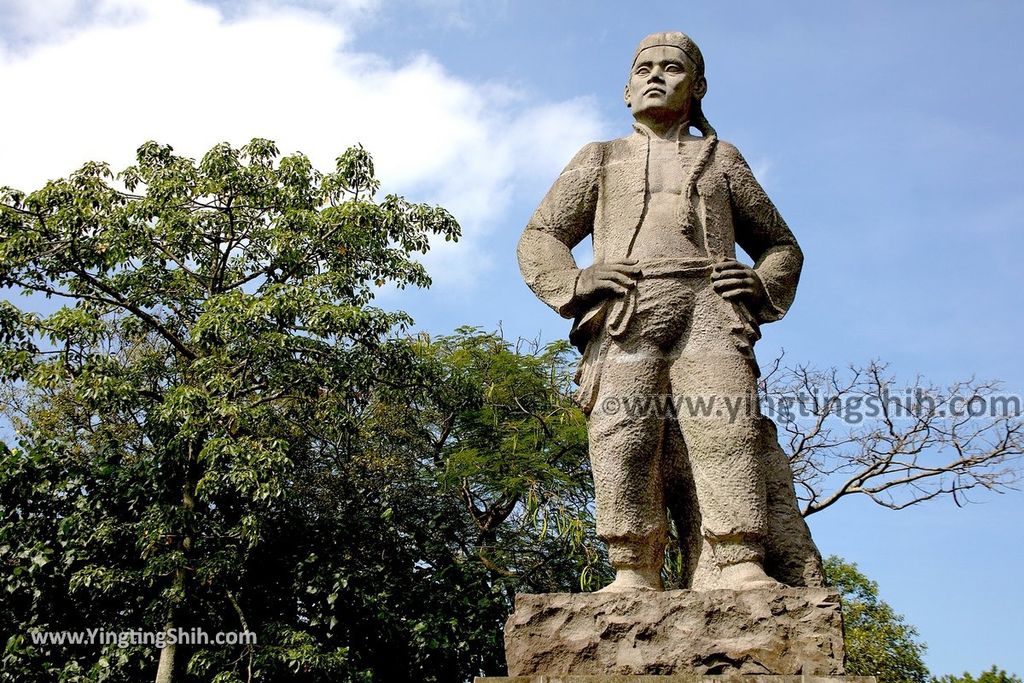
(687, 212)
(707, 131)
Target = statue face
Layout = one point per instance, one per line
(662, 84)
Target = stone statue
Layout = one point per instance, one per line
(667, 312)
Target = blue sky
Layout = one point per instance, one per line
(888, 134)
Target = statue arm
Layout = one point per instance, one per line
(563, 219)
(764, 235)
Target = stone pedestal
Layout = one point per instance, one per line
(780, 632)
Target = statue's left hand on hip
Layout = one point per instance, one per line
(734, 280)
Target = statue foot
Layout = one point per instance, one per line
(744, 576)
(634, 580)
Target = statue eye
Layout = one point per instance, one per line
(642, 71)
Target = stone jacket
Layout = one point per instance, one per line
(602, 192)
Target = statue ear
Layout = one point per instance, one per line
(625, 96)
(700, 88)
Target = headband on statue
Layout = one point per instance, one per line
(672, 39)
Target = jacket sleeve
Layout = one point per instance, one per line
(764, 235)
(563, 219)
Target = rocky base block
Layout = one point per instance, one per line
(778, 631)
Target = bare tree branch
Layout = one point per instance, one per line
(857, 432)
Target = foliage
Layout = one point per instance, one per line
(219, 431)
(993, 675)
(879, 642)
(503, 433)
(421, 528)
(216, 314)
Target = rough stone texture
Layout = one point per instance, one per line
(790, 554)
(777, 631)
(666, 312)
(691, 678)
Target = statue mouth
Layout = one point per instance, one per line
(654, 91)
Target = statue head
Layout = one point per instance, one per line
(666, 80)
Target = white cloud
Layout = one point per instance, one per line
(28, 20)
(181, 72)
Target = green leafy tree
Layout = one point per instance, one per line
(993, 675)
(879, 642)
(214, 316)
(460, 489)
(218, 430)
(505, 436)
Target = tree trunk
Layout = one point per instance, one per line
(166, 671)
(168, 656)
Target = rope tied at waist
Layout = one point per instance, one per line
(612, 318)
(676, 267)
(622, 309)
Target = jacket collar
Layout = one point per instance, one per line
(681, 133)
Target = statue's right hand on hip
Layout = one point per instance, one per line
(613, 278)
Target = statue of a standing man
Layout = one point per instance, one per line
(666, 310)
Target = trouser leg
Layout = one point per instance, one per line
(681, 500)
(714, 387)
(625, 451)
(790, 554)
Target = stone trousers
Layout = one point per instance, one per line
(676, 425)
